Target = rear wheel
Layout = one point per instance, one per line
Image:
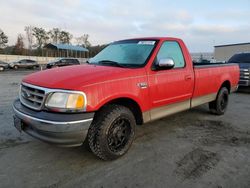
(219, 106)
(112, 132)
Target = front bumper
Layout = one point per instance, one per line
(244, 83)
(56, 128)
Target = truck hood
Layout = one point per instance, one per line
(78, 76)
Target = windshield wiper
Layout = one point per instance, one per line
(109, 62)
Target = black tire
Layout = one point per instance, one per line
(15, 67)
(112, 132)
(2, 69)
(219, 106)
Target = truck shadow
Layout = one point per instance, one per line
(245, 90)
(69, 164)
(171, 123)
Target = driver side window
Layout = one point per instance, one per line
(171, 49)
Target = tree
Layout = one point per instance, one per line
(3, 39)
(83, 41)
(29, 35)
(19, 46)
(54, 35)
(41, 36)
(93, 50)
(65, 37)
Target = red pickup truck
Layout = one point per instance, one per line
(129, 83)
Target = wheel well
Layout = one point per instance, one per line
(132, 105)
(227, 85)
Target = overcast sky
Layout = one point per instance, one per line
(200, 23)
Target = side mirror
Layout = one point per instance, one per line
(167, 63)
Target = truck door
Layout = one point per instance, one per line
(170, 90)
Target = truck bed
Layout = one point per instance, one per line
(208, 80)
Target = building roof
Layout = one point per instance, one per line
(247, 43)
(66, 47)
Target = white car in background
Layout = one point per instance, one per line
(24, 63)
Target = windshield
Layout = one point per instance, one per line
(127, 53)
(240, 58)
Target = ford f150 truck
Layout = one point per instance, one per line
(129, 83)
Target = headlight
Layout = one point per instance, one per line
(62, 101)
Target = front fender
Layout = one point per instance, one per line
(120, 96)
(100, 94)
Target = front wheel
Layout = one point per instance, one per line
(15, 67)
(112, 132)
(219, 106)
(1, 69)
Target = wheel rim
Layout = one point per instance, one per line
(224, 101)
(119, 134)
(1, 68)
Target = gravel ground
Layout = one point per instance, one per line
(189, 149)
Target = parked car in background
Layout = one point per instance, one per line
(243, 60)
(63, 62)
(3, 66)
(24, 63)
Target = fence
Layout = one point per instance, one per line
(39, 59)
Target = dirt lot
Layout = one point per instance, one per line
(190, 149)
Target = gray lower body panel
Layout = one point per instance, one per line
(55, 128)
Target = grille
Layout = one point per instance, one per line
(244, 74)
(32, 97)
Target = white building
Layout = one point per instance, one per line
(224, 52)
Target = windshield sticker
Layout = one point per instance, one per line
(146, 42)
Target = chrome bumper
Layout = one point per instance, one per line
(55, 128)
(244, 82)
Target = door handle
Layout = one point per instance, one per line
(188, 77)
